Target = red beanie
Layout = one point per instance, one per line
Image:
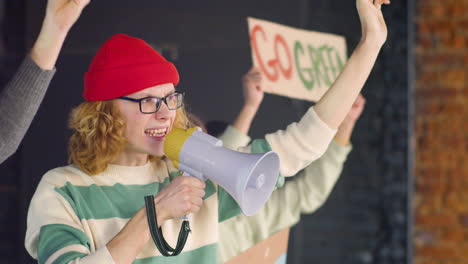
(125, 65)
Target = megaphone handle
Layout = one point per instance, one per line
(156, 232)
(185, 218)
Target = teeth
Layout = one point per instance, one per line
(156, 132)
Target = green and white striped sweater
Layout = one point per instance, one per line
(73, 216)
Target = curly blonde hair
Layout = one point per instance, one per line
(99, 134)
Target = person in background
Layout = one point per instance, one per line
(21, 97)
(302, 194)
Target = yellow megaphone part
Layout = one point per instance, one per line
(174, 142)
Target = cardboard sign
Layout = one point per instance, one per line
(271, 250)
(296, 63)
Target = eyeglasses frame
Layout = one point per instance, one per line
(158, 106)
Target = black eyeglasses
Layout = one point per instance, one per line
(151, 104)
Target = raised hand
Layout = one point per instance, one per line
(64, 13)
(253, 87)
(372, 21)
(60, 17)
(356, 109)
(345, 130)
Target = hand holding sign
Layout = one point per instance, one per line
(294, 62)
(316, 71)
(252, 84)
(343, 135)
(356, 109)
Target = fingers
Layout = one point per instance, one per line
(253, 81)
(198, 192)
(363, 100)
(189, 181)
(193, 200)
(378, 3)
(184, 195)
(253, 69)
(81, 3)
(192, 188)
(191, 207)
(360, 100)
(255, 76)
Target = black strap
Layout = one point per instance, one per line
(156, 232)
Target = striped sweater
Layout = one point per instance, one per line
(72, 216)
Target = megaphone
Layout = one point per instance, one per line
(248, 178)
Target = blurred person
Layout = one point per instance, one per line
(21, 97)
(302, 194)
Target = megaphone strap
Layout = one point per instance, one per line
(156, 232)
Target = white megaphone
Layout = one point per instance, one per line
(248, 178)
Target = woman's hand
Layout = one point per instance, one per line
(356, 109)
(62, 14)
(253, 87)
(180, 197)
(60, 17)
(345, 130)
(373, 25)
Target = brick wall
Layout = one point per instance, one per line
(441, 99)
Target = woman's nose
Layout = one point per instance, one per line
(163, 112)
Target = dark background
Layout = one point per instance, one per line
(366, 218)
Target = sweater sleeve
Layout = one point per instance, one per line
(304, 193)
(19, 102)
(317, 181)
(56, 235)
(233, 139)
(301, 142)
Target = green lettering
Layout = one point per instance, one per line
(303, 72)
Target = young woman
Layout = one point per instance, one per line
(92, 210)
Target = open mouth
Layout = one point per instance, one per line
(160, 132)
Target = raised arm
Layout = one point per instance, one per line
(21, 98)
(59, 234)
(253, 96)
(305, 141)
(237, 134)
(336, 102)
(60, 16)
(303, 194)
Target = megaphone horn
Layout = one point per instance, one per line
(248, 178)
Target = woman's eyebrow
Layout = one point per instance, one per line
(143, 95)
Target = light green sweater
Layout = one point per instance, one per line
(303, 194)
